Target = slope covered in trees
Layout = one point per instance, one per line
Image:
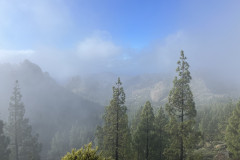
(49, 106)
(141, 88)
(233, 132)
(128, 129)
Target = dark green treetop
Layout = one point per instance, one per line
(181, 109)
(116, 134)
(144, 136)
(161, 135)
(180, 100)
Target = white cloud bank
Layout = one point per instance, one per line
(96, 47)
(14, 56)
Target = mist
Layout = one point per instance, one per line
(67, 56)
(209, 39)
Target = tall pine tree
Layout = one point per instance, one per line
(181, 109)
(116, 133)
(145, 133)
(4, 142)
(233, 133)
(134, 132)
(24, 145)
(161, 135)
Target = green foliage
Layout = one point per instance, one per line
(134, 125)
(149, 133)
(86, 153)
(115, 134)
(213, 119)
(24, 145)
(144, 136)
(172, 152)
(4, 143)
(233, 133)
(161, 135)
(181, 109)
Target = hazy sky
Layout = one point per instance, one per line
(69, 37)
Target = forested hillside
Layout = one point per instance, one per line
(119, 80)
(67, 117)
(50, 108)
(140, 88)
(64, 120)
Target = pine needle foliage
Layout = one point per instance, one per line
(114, 136)
(181, 110)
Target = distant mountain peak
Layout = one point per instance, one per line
(32, 66)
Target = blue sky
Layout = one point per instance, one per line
(61, 23)
(121, 36)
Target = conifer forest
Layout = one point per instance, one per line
(119, 80)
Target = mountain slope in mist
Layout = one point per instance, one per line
(52, 107)
(49, 106)
(139, 89)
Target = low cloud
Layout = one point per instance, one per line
(15, 55)
(95, 47)
(98, 53)
(162, 56)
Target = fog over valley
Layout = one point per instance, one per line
(119, 80)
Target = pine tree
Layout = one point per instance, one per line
(116, 134)
(181, 109)
(134, 133)
(24, 146)
(4, 142)
(145, 133)
(161, 135)
(233, 133)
